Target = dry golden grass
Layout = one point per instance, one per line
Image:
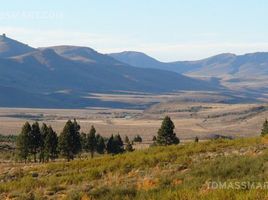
(191, 119)
(170, 172)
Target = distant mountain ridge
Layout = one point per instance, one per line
(139, 59)
(247, 72)
(37, 76)
(83, 54)
(216, 66)
(43, 72)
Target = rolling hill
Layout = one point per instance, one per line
(215, 66)
(10, 47)
(237, 72)
(66, 75)
(139, 59)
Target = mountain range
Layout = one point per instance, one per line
(247, 72)
(215, 66)
(65, 76)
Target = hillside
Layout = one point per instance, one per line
(215, 66)
(172, 172)
(248, 65)
(84, 54)
(10, 47)
(72, 73)
(139, 59)
(245, 73)
(66, 76)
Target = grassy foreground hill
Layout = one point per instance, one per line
(185, 171)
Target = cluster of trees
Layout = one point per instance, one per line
(34, 140)
(96, 143)
(45, 144)
(93, 143)
(70, 140)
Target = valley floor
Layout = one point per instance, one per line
(191, 119)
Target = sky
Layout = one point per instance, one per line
(168, 30)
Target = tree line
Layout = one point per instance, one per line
(45, 145)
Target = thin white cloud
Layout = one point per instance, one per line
(194, 51)
(102, 43)
(38, 37)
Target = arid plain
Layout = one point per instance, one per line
(194, 114)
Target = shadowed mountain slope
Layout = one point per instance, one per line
(71, 73)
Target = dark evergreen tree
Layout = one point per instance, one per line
(137, 138)
(154, 141)
(51, 144)
(35, 140)
(128, 146)
(264, 130)
(126, 139)
(118, 144)
(76, 126)
(196, 139)
(44, 132)
(76, 138)
(166, 134)
(69, 140)
(65, 141)
(91, 141)
(83, 141)
(100, 148)
(23, 140)
(110, 145)
(115, 145)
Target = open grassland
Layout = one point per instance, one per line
(143, 99)
(191, 119)
(174, 172)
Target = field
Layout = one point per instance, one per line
(194, 114)
(173, 172)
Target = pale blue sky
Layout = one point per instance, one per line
(166, 29)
